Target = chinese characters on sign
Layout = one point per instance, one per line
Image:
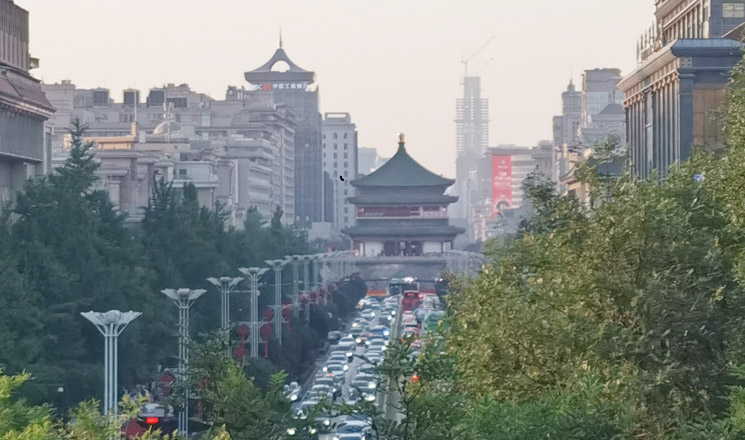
(501, 185)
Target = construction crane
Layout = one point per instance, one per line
(484, 66)
(466, 61)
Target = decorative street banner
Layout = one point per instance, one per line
(501, 184)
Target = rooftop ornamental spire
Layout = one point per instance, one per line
(401, 142)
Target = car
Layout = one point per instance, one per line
(360, 323)
(365, 383)
(335, 371)
(380, 330)
(356, 331)
(325, 380)
(338, 356)
(302, 410)
(375, 358)
(320, 392)
(333, 364)
(354, 426)
(368, 314)
(362, 338)
(367, 368)
(351, 436)
(334, 337)
(379, 343)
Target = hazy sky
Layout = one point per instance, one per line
(395, 65)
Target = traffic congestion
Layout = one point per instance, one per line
(348, 373)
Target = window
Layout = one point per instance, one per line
(324, 145)
(336, 146)
(346, 219)
(182, 172)
(345, 155)
(345, 146)
(733, 10)
(324, 136)
(346, 164)
(336, 165)
(345, 192)
(336, 135)
(345, 136)
(345, 210)
(324, 154)
(335, 155)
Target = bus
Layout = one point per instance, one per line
(410, 301)
(399, 286)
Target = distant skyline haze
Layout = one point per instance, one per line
(394, 65)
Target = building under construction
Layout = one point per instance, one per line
(472, 123)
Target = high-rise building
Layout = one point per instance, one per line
(505, 169)
(472, 134)
(684, 64)
(24, 140)
(599, 89)
(340, 163)
(566, 126)
(294, 87)
(367, 160)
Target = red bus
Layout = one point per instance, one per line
(410, 300)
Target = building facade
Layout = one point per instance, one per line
(24, 140)
(240, 150)
(684, 65)
(295, 89)
(340, 162)
(402, 210)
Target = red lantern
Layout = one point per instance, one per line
(266, 332)
(313, 296)
(243, 332)
(303, 300)
(239, 353)
(165, 383)
(268, 314)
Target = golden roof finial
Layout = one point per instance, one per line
(401, 137)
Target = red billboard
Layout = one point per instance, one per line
(501, 184)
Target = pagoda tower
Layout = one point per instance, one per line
(402, 210)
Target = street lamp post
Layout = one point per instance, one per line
(184, 299)
(254, 274)
(278, 265)
(295, 284)
(110, 324)
(226, 286)
(306, 272)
